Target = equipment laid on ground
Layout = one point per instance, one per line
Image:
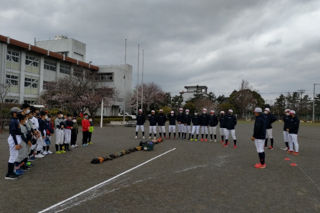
(143, 145)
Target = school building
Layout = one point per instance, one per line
(28, 69)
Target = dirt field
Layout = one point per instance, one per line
(193, 177)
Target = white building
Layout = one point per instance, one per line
(66, 46)
(191, 91)
(28, 69)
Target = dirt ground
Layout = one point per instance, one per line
(194, 177)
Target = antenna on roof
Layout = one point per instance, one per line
(35, 41)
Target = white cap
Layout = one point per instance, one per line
(161, 110)
(172, 112)
(153, 111)
(292, 112)
(187, 110)
(287, 110)
(230, 110)
(204, 109)
(257, 109)
(140, 110)
(211, 111)
(267, 109)
(180, 109)
(15, 109)
(221, 112)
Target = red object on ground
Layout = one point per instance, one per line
(293, 164)
(286, 158)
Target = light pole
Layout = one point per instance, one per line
(124, 98)
(125, 51)
(314, 98)
(142, 78)
(138, 79)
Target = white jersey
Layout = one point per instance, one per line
(35, 123)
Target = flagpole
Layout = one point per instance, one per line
(101, 114)
(142, 70)
(138, 79)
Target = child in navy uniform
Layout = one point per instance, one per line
(172, 124)
(195, 126)
(140, 124)
(230, 121)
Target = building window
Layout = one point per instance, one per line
(30, 83)
(32, 61)
(13, 101)
(107, 77)
(65, 68)
(12, 80)
(50, 65)
(13, 55)
(78, 72)
(29, 102)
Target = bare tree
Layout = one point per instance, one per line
(4, 90)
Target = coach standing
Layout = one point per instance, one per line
(259, 136)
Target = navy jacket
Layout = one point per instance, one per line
(187, 119)
(140, 119)
(180, 117)
(269, 120)
(286, 119)
(42, 126)
(260, 125)
(161, 119)
(294, 124)
(172, 119)
(204, 120)
(14, 129)
(213, 120)
(152, 120)
(196, 120)
(230, 121)
(221, 121)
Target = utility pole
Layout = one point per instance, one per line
(124, 98)
(142, 78)
(125, 51)
(138, 79)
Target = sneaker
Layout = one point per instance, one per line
(58, 152)
(135, 137)
(201, 139)
(76, 146)
(260, 166)
(49, 152)
(149, 137)
(19, 172)
(215, 140)
(206, 140)
(196, 139)
(234, 146)
(90, 142)
(45, 153)
(270, 147)
(32, 158)
(295, 153)
(191, 139)
(285, 148)
(143, 137)
(72, 147)
(62, 151)
(289, 152)
(11, 177)
(39, 155)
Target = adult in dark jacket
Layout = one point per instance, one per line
(270, 118)
(293, 129)
(213, 122)
(286, 119)
(230, 121)
(140, 123)
(180, 120)
(152, 124)
(195, 126)
(172, 124)
(221, 126)
(187, 125)
(259, 135)
(204, 122)
(161, 121)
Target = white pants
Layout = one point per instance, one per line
(233, 133)
(293, 140)
(153, 129)
(259, 145)
(221, 131)
(213, 130)
(286, 136)
(40, 143)
(180, 127)
(172, 128)
(187, 129)
(162, 129)
(195, 129)
(140, 127)
(204, 130)
(13, 153)
(23, 152)
(269, 133)
(59, 136)
(67, 136)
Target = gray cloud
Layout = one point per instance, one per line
(273, 44)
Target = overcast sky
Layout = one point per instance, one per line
(275, 45)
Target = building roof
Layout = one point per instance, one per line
(197, 86)
(45, 52)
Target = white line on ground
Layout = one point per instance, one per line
(104, 182)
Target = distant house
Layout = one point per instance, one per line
(191, 91)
